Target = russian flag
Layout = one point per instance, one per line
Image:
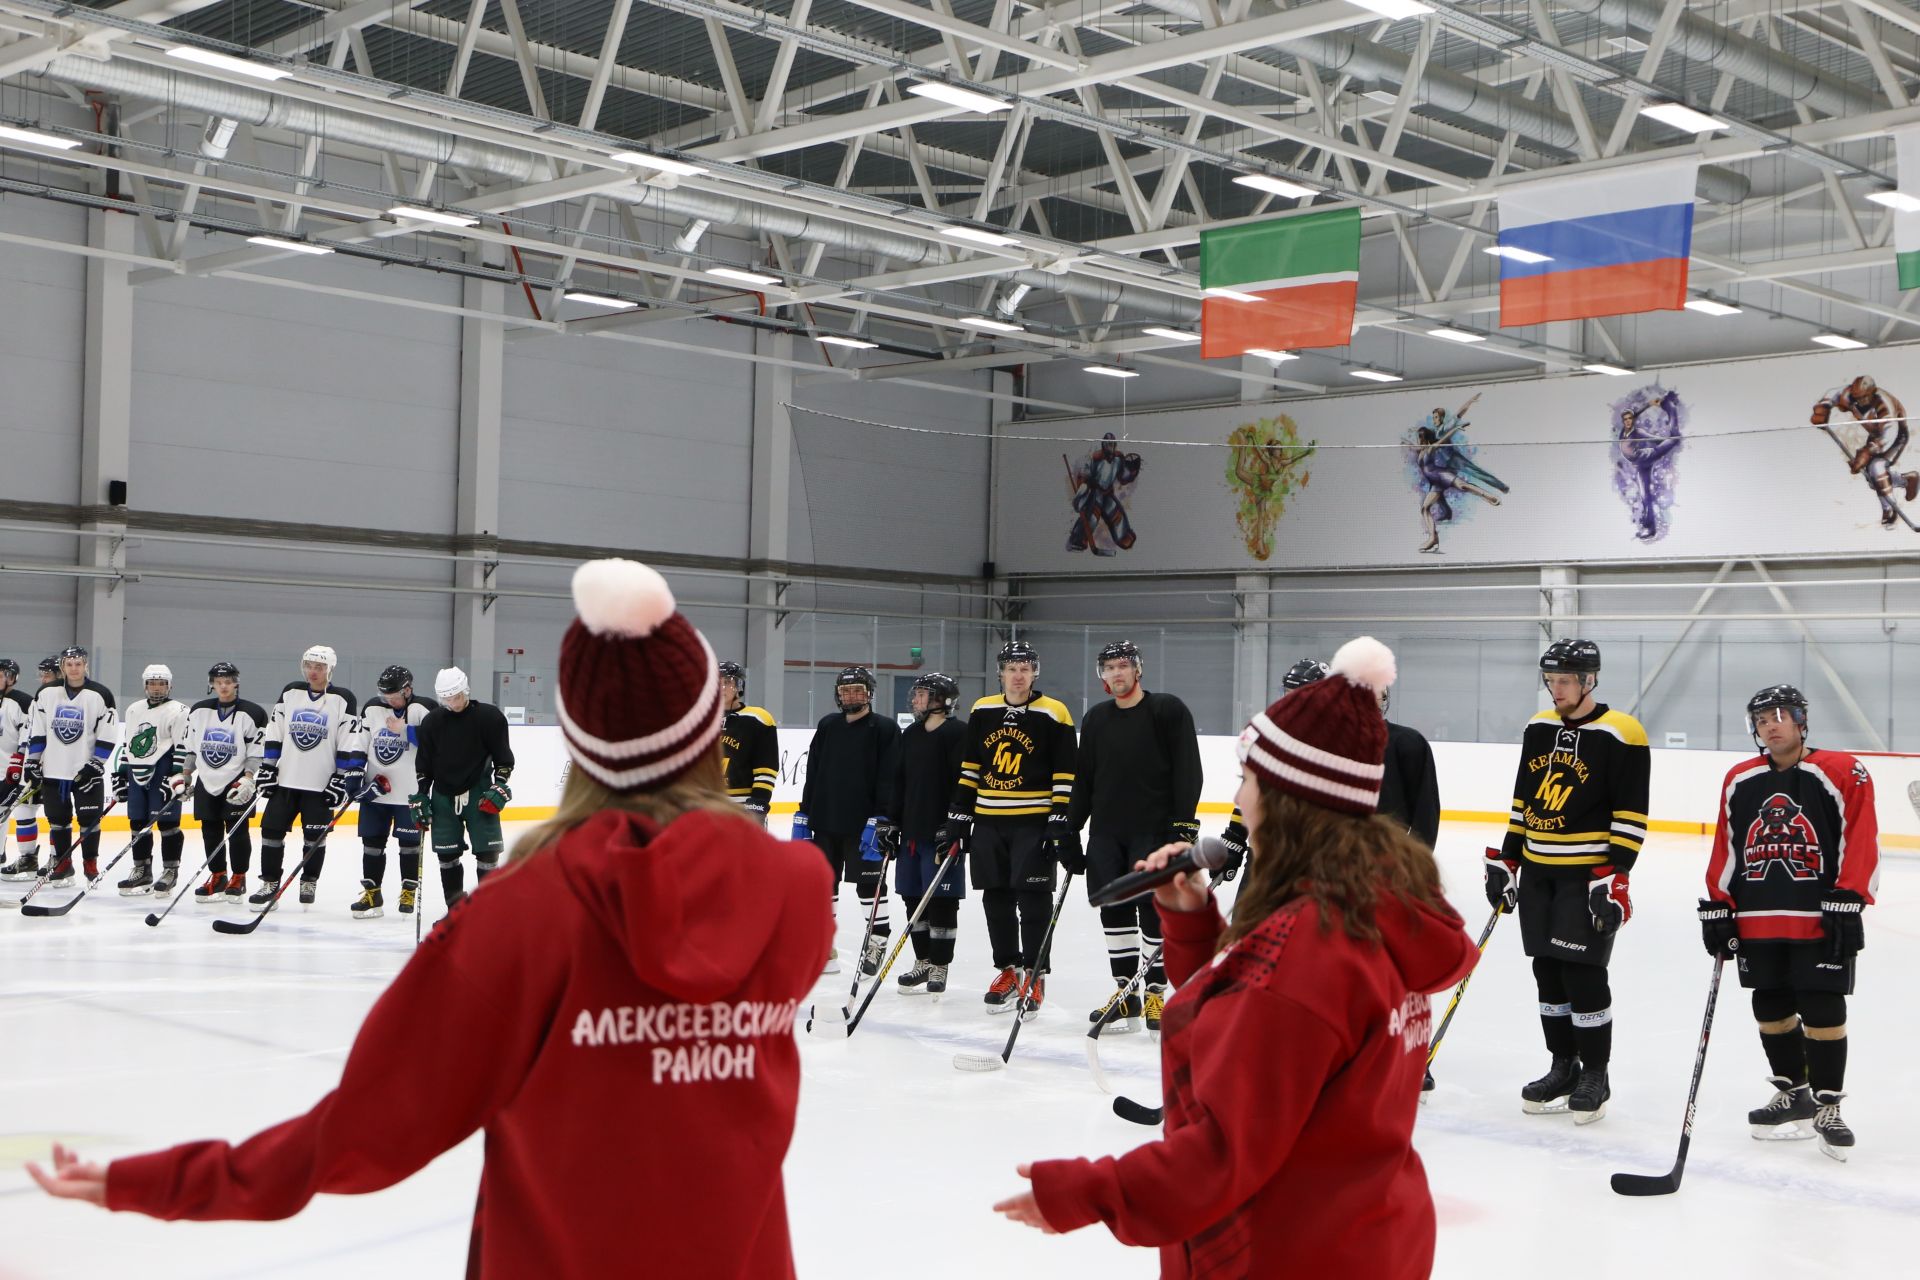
(1607, 244)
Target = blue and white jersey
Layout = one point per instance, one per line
(223, 741)
(311, 736)
(392, 739)
(151, 736)
(70, 727)
(16, 708)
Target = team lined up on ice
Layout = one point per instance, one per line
(412, 763)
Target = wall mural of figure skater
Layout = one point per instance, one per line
(1444, 470)
(1648, 430)
(1882, 421)
(1266, 465)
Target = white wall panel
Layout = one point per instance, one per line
(42, 326)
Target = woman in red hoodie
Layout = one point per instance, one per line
(615, 1009)
(1295, 1047)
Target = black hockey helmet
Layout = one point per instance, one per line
(50, 665)
(851, 676)
(222, 668)
(941, 689)
(1303, 672)
(738, 674)
(1118, 649)
(394, 679)
(1777, 697)
(74, 651)
(11, 667)
(1018, 651)
(1579, 656)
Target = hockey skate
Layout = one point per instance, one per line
(1033, 990)
(1836, 1139)
(872, 954)
(139, 881)
(1006, 986)
(169, 876)
(368, 905)
(263, 896)
(213, 891)
(914, 981)
(1548, 1095)
(60, 873)
(833, 963)
(24, 867)
(1590, 1094)
(1786, 1116)
(409, 896)
(1156, 1004)
(236, 890)
(90, 866)
(937, 980)
(1120, 1014)
(309, 890)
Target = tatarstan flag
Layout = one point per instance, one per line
(1906, 226)
(1301, 275)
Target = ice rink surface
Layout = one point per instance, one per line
(119, 1038)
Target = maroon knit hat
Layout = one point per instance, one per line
(639, 687)
(1327, 741)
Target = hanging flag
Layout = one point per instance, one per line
(1906, 226)
(1301, 273)
(1611, 243)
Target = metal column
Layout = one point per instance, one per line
(106, 443)
(477, 498)
(767, 518)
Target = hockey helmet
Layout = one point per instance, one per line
(850, 676)
(738, 674)
(157, 671)
(322, 654)
(1777, 697)
(50, 665)
(1302, 673)
(1018, 651)
(9, 667)
(222, 668)
(394, 679)
(73, 651)
(941, 690)
(1579, 656)
(1118, 649)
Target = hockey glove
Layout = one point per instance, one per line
(32, 775)
(377, 785)
(1607, 900)
(495, 798)
(1235, 840)
(800, 830)
(1840, 919)
(177, 785)
(240, 791)
(1503, 880)
(267, 779)
(122, 786)
(1063, 844)
(870, 841)
(344, 787)
(87, 774)
(888, 836)
(1182, 833)
(1718, 931)
(422, 810)
(957, 829)
(16, 766)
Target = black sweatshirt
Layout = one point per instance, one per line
(1410, 791)
(926, 767)
(462, 750)
(848, 773)
(1139, 770)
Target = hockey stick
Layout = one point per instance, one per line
(1128, 1109)
(1093, 1033)
(287, 882)
(987, 1062)
(859, 964)
(73, 851)
(153, 920)
(939, 873)
(39, 910)
(1665, 1184)
(1480, 948)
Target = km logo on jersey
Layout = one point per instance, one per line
(1782, 834)
(1007, 762)
(1552, 793)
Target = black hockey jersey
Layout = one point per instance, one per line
(1019, 765)
(926, 768)
(848, 773)
(1580, 795)
(750, 755)
(1138, 768)
(1784, 837)
(1410, 785)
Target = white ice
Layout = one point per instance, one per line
(118, 1038)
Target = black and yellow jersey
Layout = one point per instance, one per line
(1580, 796)
(1019, 760)
(750, 755)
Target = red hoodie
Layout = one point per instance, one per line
(1292, 1066)
(617, 1013)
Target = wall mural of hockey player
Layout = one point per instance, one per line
(1098, 491)
(1266, 465)
(1648, 430)
(1444, 470)
(1883, 422)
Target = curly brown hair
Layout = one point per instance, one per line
(1344, 862)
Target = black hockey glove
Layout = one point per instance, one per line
(1235, 839)
(88, 773)
(1503, 880)
(1840, 919)
(1063, 845)
(1182, 833)
(122, 786)
(888, 837)
(1718, 931)
(267, 779)
(957, 829)
(1607, 900)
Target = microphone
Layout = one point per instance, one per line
(1208, 855)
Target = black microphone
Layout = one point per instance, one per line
(1208, 855)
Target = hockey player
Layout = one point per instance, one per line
(1011, 810)
(1299, 675)
(392, 722)
(1137, 779)
(16, 708)
(225, 743)
(461, 772)
(926, 768)
(315, 766)
(1795, 862)
(1579, 818)
(847, 780)
(155, 731)
(749, 745)
(1410, 787)
(71, 736)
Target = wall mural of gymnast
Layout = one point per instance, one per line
(1441, 461)
(1649, 427)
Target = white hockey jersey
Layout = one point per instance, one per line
(70, 727)
(223, 740)
(390, 752)
(16, 708)
(152, 737)
(311, 736)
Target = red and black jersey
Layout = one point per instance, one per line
(1786, 836)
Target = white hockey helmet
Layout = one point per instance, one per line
(157, 671)
(322, 654)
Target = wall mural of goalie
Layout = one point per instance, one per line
(1098, 490)
(1444, 470)
(1882, 424)
(1648, 430)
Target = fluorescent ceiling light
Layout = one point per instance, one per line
(664, 165)
(744, 277)
(835, 340)
(978, 236)
(947, 93)
(433, 215)
(1516, 253)
(1171, 335)
(1457, 335)
(1682, 117)
(225, 62)
(35, 138)
(1278, 186)
(1896, 200)
(1374, 375)
(1708, 307)
(1627, 44)
(1278, 357)
(1611, 370)
(291, 246)
(997, 326)
(599, 300)
(1233, 294)
(1395, 9)
(1838, 341)
(1112, 371)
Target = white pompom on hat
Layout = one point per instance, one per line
(1327, 741)
(449, 682)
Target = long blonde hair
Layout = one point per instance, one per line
(702, 787)
(1344, 862)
